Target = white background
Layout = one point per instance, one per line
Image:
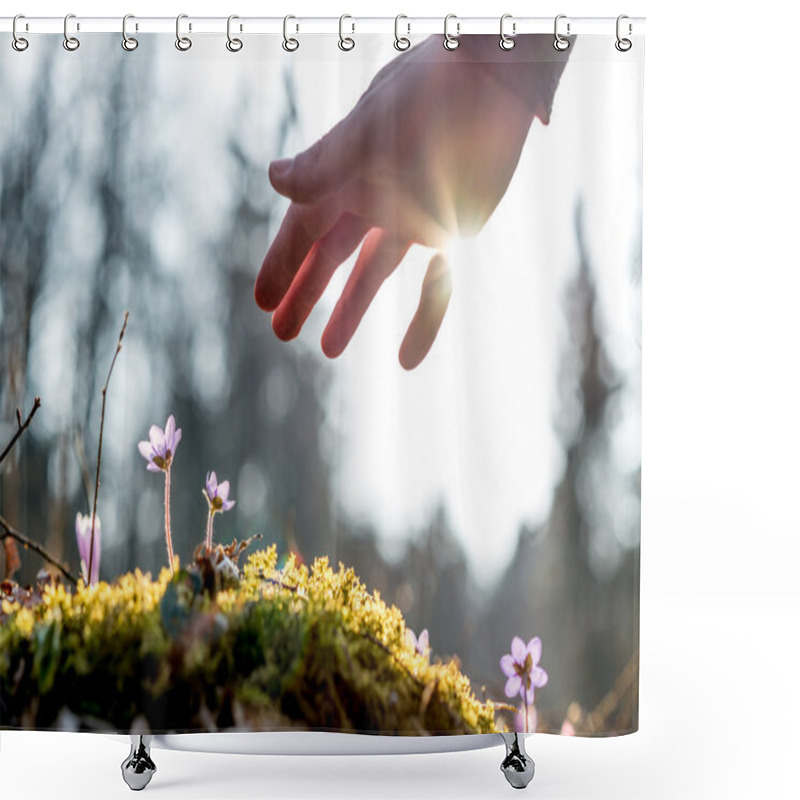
(720, 599)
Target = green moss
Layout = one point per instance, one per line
(273, 649)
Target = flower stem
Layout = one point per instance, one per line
(166, 520)
(209, 530)
(525, 700)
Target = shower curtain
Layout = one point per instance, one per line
(320, 382)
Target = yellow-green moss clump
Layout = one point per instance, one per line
(274, 649)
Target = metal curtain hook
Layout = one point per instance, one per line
(451, 42)
(623, 45)
(181, 42)
(70, 43)
(560, 43)
(345, 42)
(506, 41)
(290, 44)
(128, 42)
(233, 44)
(18, 42)
(401, 42)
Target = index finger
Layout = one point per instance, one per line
(301, 227)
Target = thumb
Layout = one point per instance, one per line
(321, 169)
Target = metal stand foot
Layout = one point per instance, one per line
(138, 768)
(517, 766)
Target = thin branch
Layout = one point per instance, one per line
(21, 426)
(83, 464)
(100, 442)
(597, 719)
(378, 643)
(282, 585)
(8, 532)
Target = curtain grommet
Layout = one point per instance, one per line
(129, 43)
(451, 42)
(401, 43)
(346, 43)
(507, 42)
(233, 44)
(19, 43)
(559, 42)
(183, 43)
(290, 44)
(71, 43)
(622, 44)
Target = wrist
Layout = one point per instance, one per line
(531, 70)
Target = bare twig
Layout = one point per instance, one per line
(9, 532)
(624, 683)
(282, 585)
(83, 464)
(21, 426)
(378, 643)
(100, 442)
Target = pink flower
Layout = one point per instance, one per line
(217, 494)
(421, 645)
(160, 449)
(83, 533)
(521, 667)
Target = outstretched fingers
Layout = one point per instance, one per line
(302, 226)
(433, 301)
(324, 258)
(380, 255)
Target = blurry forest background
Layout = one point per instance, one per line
(91, 205)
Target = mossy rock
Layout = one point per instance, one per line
(270, 649)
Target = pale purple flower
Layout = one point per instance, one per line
(159, 452)
(83, 533)
(217, 494)
(522, 669)
(217, 497)
(421, 644)
(160, 449)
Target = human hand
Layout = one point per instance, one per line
(427, 153)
